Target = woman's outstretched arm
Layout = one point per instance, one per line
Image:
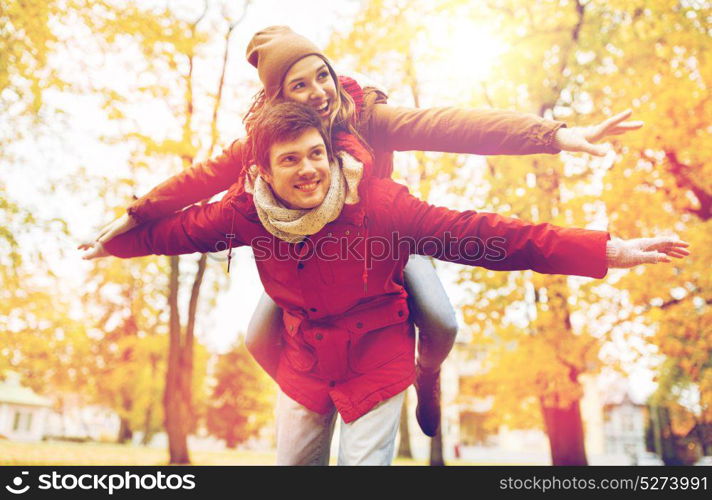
(484, 131)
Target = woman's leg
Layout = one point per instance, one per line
(264, 334)
(303, 437)
(370, 439)
(437, 328)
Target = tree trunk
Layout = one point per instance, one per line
(404, 450)
(669, 452)
(706, 443)
(436, 449)
(125, 432)
(148, 429)
(177, 399)
(148, 432)
(564, 428)
(176, 404)
(231, 441)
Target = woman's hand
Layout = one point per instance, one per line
(94, 250)
(580, 139)
(120, 225)
(629, 253)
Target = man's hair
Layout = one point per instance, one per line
(282, 122)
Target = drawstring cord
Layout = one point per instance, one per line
(230, 237)
(364, 275)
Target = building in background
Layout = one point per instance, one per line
(23, 413)
(624, 426)
(75, 420)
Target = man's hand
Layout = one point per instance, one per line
(629, 253)
(94, 251)
(120, 225)
(580, 139)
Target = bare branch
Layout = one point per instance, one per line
(221, 81)
(680, 172)
(665, 305)
(239, 19)
(568, 48)
(194, 24)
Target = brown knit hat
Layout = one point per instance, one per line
(274, 50)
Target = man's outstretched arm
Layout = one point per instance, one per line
(505, 243)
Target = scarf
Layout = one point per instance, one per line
(293, 225)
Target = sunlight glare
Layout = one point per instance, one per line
(469, 51)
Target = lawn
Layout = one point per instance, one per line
(60, 453)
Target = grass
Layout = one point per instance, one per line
(60, 453)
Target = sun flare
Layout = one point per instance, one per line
(466, 52)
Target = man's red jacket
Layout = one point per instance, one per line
(347, 338)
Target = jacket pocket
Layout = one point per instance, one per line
(300, 358)
(378, 336)
(299, 354)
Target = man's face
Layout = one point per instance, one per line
(299, 170)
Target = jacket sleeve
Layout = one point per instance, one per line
(200, 228)
(459, 130)
(494, 241)
(199, 182)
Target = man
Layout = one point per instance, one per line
(330, 250)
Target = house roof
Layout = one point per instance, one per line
(620, 391)
(622, 399)
(11, 392)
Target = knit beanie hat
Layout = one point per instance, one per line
(274, 50)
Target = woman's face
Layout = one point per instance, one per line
(309, 82)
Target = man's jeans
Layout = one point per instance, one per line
(304, 437)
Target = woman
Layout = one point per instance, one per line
(348, 345)
(292, 68)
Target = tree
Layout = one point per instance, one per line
(128, 339)
(170, 42)
(569, 60)
(404, 444)
(42, 337)
(26, 41)
(160, 49)
(666, 169)
(436, 449)
(242, 399)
